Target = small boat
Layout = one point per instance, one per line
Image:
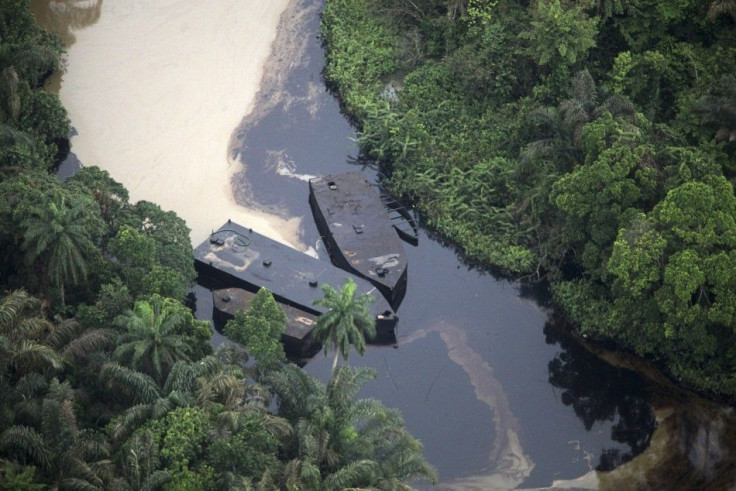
(297, 337)
(358, 232)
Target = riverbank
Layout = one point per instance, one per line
(631, 224)
(172, 151)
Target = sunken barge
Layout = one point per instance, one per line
(237, 257)
(358, 232)
(297, 336)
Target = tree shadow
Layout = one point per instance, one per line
(599, 392)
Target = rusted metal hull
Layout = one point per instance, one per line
(297, 337)
(236, 256)
(358, 233)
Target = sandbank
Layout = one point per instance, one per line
(155, 89)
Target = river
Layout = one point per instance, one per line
(164, 94)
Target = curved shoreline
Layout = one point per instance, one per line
(118, 86)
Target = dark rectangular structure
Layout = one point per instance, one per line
(236, 256)
(358, 232)
(297, 337)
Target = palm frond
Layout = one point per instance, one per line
(133, 384)
(156, 480)
(14, 305)
(25, 440)
(182, 377)
(277, 427)
(722, 7)
(62, 333)
(359, 473)
(89, 342)
(584, 88)
(310, 475)
(31, 355)
(234, 482)
(78, 484)
(31, 385)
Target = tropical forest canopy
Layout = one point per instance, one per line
(588, 143)
(107, 381)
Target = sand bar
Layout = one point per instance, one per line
(155, 89)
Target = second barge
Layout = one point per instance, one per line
(297, 336)
(358, 232)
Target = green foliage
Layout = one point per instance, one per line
(347, 322)
(44, 115)
(158, 333)
(148, 235)
(33, 122)
(595, 198)
(674, 258)
(604, 182)
(249, 451)
(110, 195)
(648, 21)
(559, 34)
(341, 441)
(136, 253)
(182, 434)
(171, 423)
(355, 70)
(58, 240)
(14, 477)
(480, 12)
(259, 329)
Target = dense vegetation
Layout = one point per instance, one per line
(106, 378)
(588, 143)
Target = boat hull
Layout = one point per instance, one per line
(236, 256)
(358, 233)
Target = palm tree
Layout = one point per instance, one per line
(146, 400)
(382, 453)
(23, 329)
(347, 321)
(139, 464)
(72, 341)
(15, 476)
(215, 383)
(57, 240)
(68, 456)
(153, 341)
(561, 128)
(343, 442)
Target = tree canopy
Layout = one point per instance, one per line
(587, 144)
(107, 379)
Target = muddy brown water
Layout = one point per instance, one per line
(484, 375)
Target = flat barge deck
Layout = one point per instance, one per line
(236, 256)
(358, 232)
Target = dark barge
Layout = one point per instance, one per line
(237, 257)
(358, 233)
(297, 337)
